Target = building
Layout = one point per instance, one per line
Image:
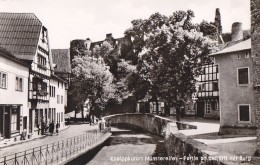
(61, 63)
(207, 101)
(236, 75)
(58, 100)
(23, 35)
(14, 75)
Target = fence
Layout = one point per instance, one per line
(53, 153)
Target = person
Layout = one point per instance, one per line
(100, 125)
(90, 120)
(42, 127)
(39, 129)
(93, 119)
(51, 129)
(57, 128)
(23, 135)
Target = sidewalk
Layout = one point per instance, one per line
(68, 132)
(10, 142)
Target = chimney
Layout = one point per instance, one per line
(236, 31)
(108, 36)
(87, 43)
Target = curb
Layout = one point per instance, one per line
(21, 142)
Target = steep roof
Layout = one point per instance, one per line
(243, 45)
(61, 57)
(19, 33)
(6, 54)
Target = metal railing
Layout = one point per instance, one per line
(54, 153)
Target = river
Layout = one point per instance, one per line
(131, 147)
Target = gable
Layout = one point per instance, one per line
(19, 33)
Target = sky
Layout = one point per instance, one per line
(67, 20)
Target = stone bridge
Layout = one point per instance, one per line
(148, 122)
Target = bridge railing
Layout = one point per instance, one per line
(54, 153)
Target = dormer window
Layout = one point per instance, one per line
(238, 56)
(247, 55)
(44, 35)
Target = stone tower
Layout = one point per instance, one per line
(218, 21)
(255, 51)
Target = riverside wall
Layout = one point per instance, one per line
(181, 149)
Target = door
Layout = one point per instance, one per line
(1, 121)
(30, 120)
(7, 124)
(25, 122)
(200, 109)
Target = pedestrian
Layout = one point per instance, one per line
(57, 128)
(89, 120)
(93, 119)
(51, 129)
(39, 129)
(100, 125)
(43, 125)
(23, 135)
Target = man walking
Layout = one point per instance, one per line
(57, 128)
(51, 129)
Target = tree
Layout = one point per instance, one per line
(91, 80)
(98, 76)
(171, 53)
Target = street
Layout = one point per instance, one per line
(72, 131)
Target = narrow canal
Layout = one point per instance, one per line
(131, 147)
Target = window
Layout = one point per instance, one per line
(238, 56)
(61, 99)
(15, 114)
(19, 84)
(243, 76)
(215, 105)
(61, 116)
(215, 86)
(58, 99)
(203, 87)
(14, 119)
(49, 114)
(207, 107)
(36, 118)
(41, 62)
(247, 55)
(244, 114)
(3, 79)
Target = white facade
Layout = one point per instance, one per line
(14, 110)
(58, 100)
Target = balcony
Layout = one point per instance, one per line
(38, 96)
(42, 66)
(208, 94)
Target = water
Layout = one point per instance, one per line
(129, 147)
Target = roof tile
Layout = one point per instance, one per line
(19, 33)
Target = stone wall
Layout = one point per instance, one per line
(184, 150)
(255, 50)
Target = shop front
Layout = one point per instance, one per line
(10, 120)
